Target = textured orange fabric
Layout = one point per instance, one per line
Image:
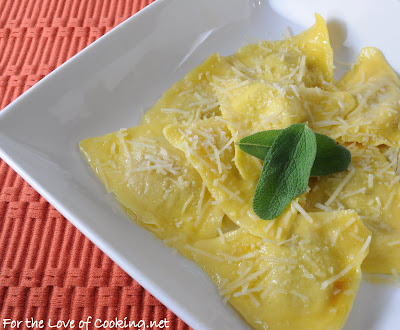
(48, 269)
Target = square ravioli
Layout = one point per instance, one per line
(181, 175)
(372, 189)
(131, 162)
(303, 280)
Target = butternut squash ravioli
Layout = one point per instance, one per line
(180, 175)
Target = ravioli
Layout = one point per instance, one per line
(277, 68)
(376, 118)
(192, 97)
(306, 58)
(325, 108)
(208, 146)
(180, 175)
(252, 108)
(305, 280)
(372, 189)
(258, 106)
(155, 184)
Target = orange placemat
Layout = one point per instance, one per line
(49, 271)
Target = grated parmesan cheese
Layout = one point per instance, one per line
(254, 300)
(113, 148)
(242, 281)
(293, 238)
(203, 211)
(121, 139)
(340, 187)
(302, 212)
(300, 296)
(370, 181)
(209, 255)
(302, 69)
(102, 176)
(393, 243)
(187, 203)
(221, 235)
(295, 91)
(306, 273)
(352, 193)
(278, 233)
(323, 207)
(329, 281)
(171, 110)
(231, 194)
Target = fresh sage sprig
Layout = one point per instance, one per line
(331, 157)
(290, 157)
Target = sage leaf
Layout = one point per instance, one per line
(258, 144)
(330, 158)
(286, 170)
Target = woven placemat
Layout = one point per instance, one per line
(49, 271)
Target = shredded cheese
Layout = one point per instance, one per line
(102, 176)
(300, 296)
(238, 283)
(393, 243)
(340, 187)
(352, 193)
(209, 255)
(121, 139)
(329, 281)
(203, 211)
(221, 235)
(302, 212)
(187, 203)
(302, 69)
(370, 181)
(323, 207)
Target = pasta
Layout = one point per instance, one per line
(180, 175)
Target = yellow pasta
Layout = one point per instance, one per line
(206, 144)
(306, 58)
(375, 118)
(371, 189)
(155, 184)
(307, 279)
(180, 174)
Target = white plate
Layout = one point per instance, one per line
(106, 86)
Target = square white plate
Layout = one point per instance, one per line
(106, 86)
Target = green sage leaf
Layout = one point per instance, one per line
(286, 170)
(330, 158)
(258, 144)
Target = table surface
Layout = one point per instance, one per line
(49, 271)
